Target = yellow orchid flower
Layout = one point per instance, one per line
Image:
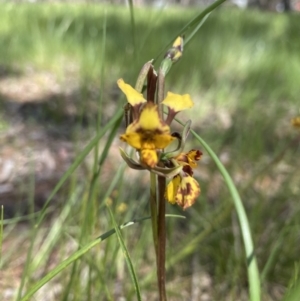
(148, 134)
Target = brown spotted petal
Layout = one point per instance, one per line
(187, 192)
(190, 158)
(183, 190)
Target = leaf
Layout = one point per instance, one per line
(126, 255)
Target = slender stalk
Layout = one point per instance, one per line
(153, 207)
(161, 222)
(161, 251)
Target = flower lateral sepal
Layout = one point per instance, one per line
(167, 172)
(130, 162)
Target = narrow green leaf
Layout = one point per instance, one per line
(253, 273)
(64, 264)
(67, 174)
(132, 26)
(195, 23)
(118, 115)
(109, 141)
(126, 255)
(191, 35)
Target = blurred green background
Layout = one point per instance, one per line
(59, 64)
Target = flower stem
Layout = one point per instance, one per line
(153, 207)
(161, 250)
(161, 222)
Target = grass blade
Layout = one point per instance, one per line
(76, 256)
(293, 294)
(67, 174)
(253, 273)
(132, 27)
(196, 22)
(118, 115)
(126, 255)
(191, 35)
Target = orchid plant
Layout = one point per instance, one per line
(148, 131)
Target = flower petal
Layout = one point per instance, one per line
(162, 141)
(187, 192)
(149, 157)
(132, 139)
(177, 102)
(148, 134)
(149, 131)
(193, 156)
(189, 158)
(134, 97)
(171, 190)
(149, 120)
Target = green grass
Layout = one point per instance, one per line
(242, 70)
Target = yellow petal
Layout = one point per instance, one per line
(175, 52)
(133, 96)
(162, 141)
(149, 157)
(193, 156)
(178, 45)
(171, 190)
(151, 130)
(148, 132)
(149, 120)
(178, 102)
(132, 139)
(189, 158)
(187, 192)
